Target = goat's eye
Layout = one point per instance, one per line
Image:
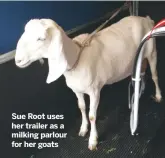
(41, 39)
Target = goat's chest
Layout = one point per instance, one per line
(76, 85)
(78, 82)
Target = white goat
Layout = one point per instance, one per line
(109, 58)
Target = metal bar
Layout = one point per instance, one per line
(10, 55)
(135, 8)
(131, 10)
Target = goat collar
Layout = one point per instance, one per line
(81, 46)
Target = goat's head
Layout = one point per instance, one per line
(42, 38)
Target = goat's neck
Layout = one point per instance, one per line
(72, 51)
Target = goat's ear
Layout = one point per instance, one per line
(57, 61)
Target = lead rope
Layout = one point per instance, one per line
(88, 39)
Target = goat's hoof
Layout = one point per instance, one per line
(92, 145)
(83, 132)
(157, 98)
(41, 61)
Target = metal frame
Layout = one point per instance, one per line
(134, 8)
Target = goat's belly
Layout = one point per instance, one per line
(118, 78)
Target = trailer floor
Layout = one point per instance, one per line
(114, 131)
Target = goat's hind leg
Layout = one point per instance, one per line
(143, 71)
(152, 59)
(82, 107)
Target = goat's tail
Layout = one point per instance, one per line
(152, 21)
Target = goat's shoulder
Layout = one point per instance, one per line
(80, 38)
(83, 75)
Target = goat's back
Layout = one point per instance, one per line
(110, 56)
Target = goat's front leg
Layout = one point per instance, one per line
(94, 102)
(82, 107)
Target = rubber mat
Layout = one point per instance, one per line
(115, 140)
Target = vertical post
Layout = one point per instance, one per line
(131, 10)
(135, 8)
